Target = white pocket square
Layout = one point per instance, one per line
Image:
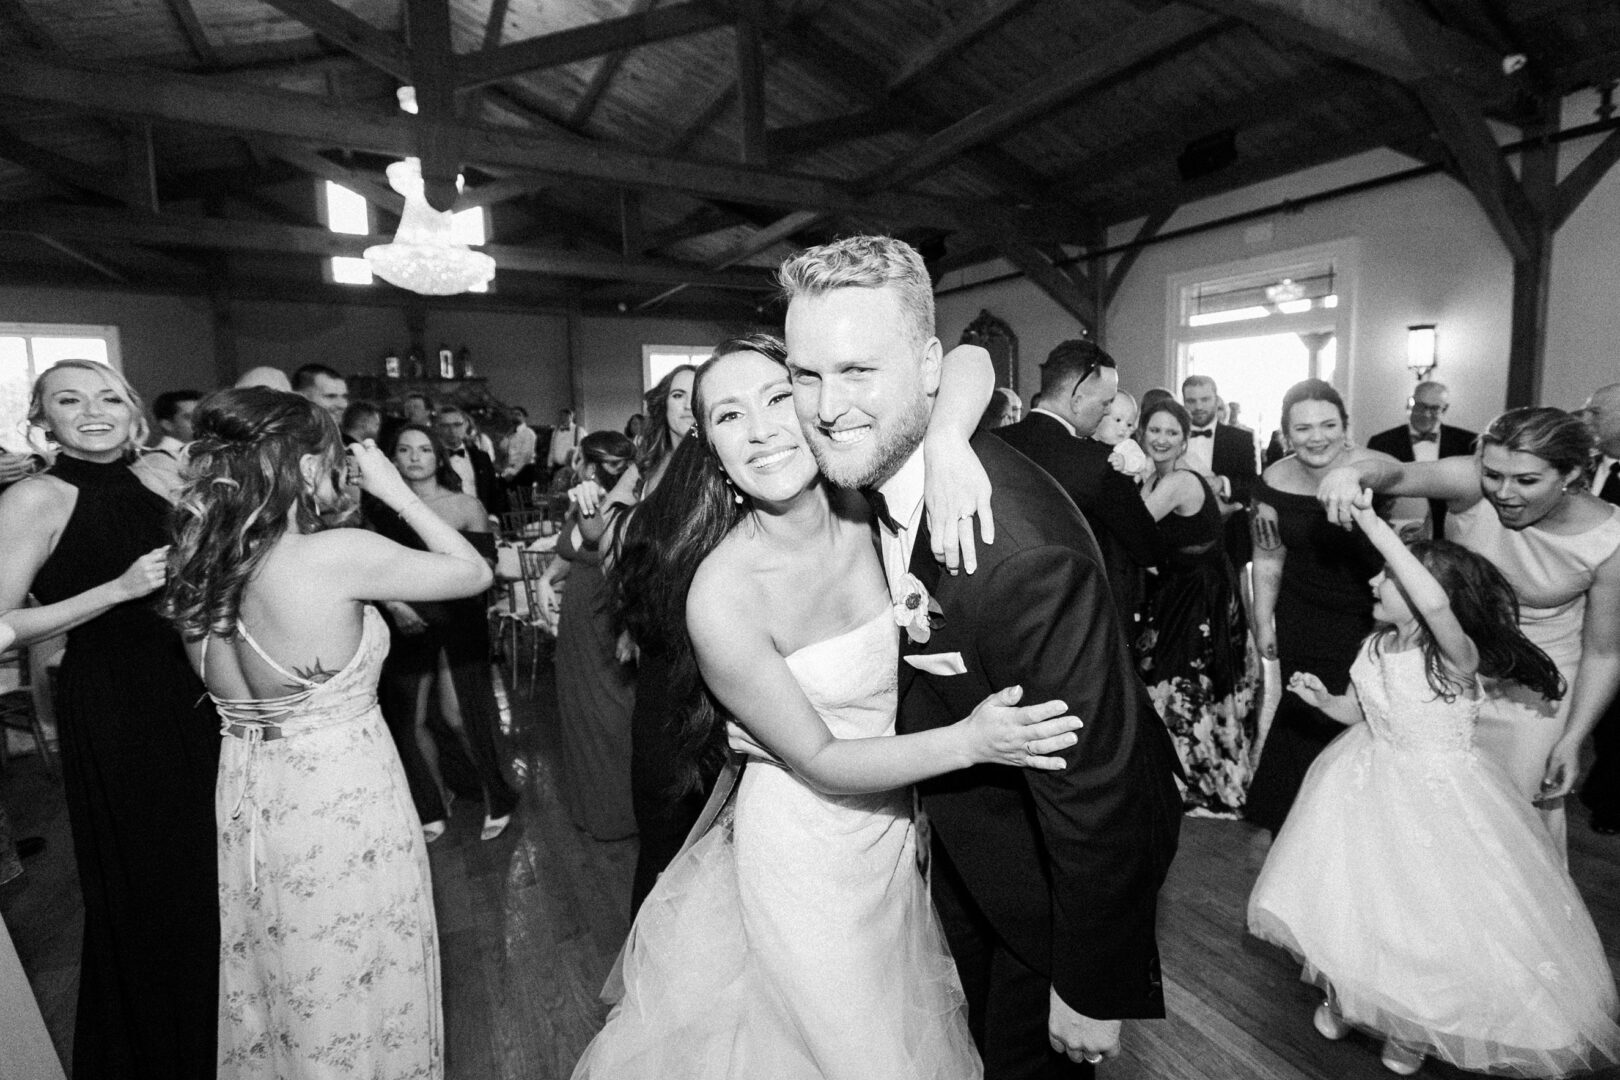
(939, 663)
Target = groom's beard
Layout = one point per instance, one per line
(871, 462)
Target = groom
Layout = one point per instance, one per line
(1047, 883)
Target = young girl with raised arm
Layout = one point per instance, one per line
(1416, 886)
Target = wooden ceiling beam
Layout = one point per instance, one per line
(349, 31)
(438, 135)
(1069, 294)
(1122, 266)
(15, 14)
(1149, 39)
(1370, 34)
(1462, 126)
(591, 40)
(602, 77)
(504, 189)
(91, 224)
(1574, 188)
(63, 169)
(969, 26)
(168, 97)
(140, 167)
(319, 165)
(196, 35)
(78, 255)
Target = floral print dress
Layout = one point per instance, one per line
(329, 957)
(1197, 663)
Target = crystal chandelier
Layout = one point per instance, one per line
(425, 257)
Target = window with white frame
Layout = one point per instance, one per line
(27, 349)
(347, 211)
(1257, 327)
(659, 360)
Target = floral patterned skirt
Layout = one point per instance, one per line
(329, 958)
(1202, 675)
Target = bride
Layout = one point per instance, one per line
(795, 938)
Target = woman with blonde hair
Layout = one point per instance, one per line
(329, 948)
(139, 740)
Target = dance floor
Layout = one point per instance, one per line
(530, 924)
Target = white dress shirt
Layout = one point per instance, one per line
(1407, 515)
(904, 493)
(461, 464)
(1201, 450)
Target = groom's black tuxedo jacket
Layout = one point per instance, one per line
(1066, 866)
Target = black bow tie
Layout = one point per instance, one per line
(460, 451)
(1207, 433)
(880, 509)
(1432, 436)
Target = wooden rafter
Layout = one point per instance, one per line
(252, 111)
(61, 168)
(1068, 293)
(75, 253)
(602, 77)
(1405, 45)
(196, 35)
(1575, 187)
(1495, 188)
(590, 40)
(969, 26)
(140, 167)
(1152, 37)
(1127, 259)
(89, 224)
(349, 31)
(318, 165)
(438, 136)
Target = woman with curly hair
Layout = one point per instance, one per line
(140, 743)
(329, 952)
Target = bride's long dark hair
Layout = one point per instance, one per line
(670, 534)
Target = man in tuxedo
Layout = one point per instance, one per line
(1424, 438)
(470, 463)
(1601, 791)
(1228, 454)
(1047, 883)
(1078, 384)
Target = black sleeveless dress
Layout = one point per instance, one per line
(140, 750)
(1197, 665)
(1324, 611)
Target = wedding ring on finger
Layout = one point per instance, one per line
(1091, 1059)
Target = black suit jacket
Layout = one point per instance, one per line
(1454, 442)
(1233, 456)
(1110, 501)
(490, 491)
(1066, 866)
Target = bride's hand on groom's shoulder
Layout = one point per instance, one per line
(956, 489)
(1003, 732)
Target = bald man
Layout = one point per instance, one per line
(274, 378)
(1424, 437)
(1601, 792)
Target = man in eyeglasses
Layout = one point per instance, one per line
(1424, 437)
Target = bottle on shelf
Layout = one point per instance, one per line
(417, 371)
(391, 367)
(447, 362)
(464, 364)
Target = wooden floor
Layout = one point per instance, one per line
(530, 924)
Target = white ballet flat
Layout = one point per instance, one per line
(1329, 1024)
(1400, 1060)
(433, 830)
(494, 826)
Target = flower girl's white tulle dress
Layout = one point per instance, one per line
(1421, 889)
(795, 939)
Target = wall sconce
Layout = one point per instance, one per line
(1420, 349)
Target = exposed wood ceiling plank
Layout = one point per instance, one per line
(349, 31)
(61, 168)
(196, 35)
(978, 20)
(767, 237)
(15, 14)
(502, 190)
(1152, 37)
(91, 224)
(1575, 187)
(813, 135)
(602, 77)
(585, 42)
(1368, 34)
(750, 82)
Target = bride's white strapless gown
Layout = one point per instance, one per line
(795, 939)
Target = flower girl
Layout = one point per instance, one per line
(1416, 885)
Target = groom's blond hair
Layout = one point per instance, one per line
(866, 262)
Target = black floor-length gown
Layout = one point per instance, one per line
(140, 750)
(1324, 610)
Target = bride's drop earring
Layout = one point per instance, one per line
(736, 496)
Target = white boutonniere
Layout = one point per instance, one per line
(916, 611)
